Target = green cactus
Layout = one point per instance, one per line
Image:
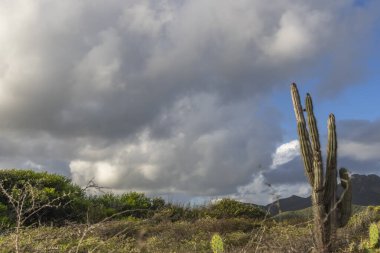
(329, 213)
(373, 236)
(372, 244)
(217, 244)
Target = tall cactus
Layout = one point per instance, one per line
(329, 212)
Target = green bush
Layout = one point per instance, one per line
(229, 208)
(4, 217)
(43, 188)
(223, 209)
(138, 203)
(71, 203)
(175, 212)
(130, 204)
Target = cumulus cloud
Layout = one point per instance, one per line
(209, 150)
(163, 95)
(285, 153)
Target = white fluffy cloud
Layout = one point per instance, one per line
(285, 153)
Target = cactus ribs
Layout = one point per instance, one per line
(329, 212)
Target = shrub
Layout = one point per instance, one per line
(229, 208)
(175, 212)
(130, 204)
(138, 203)
(4, 217)
(43, 188)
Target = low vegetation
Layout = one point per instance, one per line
(57, 216)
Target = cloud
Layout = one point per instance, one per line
(285, 153)
(260, 191)
(286, 167)
(364, 131)
(121, 62)
(354, 33)
(32, 165)
(360, 145)
(164, 96)
(208, 149)
(298, 28)
(358, 149)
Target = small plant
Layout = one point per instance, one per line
(373, 236)
(372, 244)
(217, 244)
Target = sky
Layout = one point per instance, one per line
(186, 99)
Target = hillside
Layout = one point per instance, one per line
(306, 214)
(365, 192)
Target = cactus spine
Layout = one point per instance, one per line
(329, 213)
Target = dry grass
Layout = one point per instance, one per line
(239, 235)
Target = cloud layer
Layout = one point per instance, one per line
(164, 96)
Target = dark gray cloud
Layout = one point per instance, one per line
(200, 156)
(163, 96)
(360, 145)
(290, 172)
(107, 69)
(364, 131)
(347, 62)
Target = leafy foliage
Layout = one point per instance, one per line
(229, 208)
(151, 225)
(130, 204)
(42, 188)
(5, 222)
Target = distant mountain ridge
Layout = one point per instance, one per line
(365, 192)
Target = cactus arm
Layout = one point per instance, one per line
(313, 164)
(316, 146)
(330, 183)
(345, 201)
(331, 162)
(318, 188)
(303, 134)
(329, 214)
